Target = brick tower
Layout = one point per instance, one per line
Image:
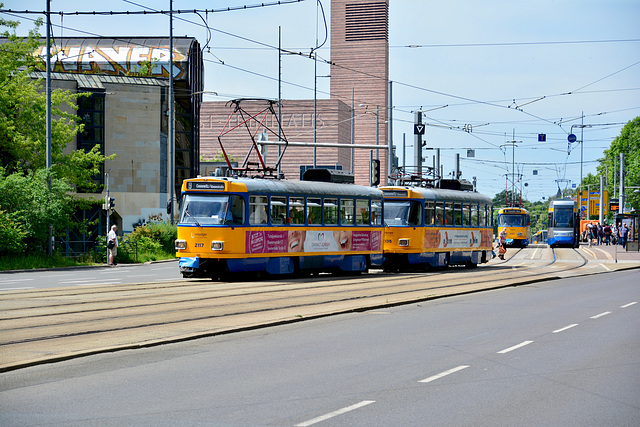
(360, 75)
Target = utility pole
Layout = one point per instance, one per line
(48, 119)
(172, 158)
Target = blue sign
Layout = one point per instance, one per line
(573, 185)
(571, 138)
(583, 208)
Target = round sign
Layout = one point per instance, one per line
(572, 138)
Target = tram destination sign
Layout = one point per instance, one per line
(198, 185)
(395, 193)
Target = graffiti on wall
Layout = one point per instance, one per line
(115, 60)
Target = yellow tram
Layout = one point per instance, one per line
(233, 225)
(435, 227)
(516, 222)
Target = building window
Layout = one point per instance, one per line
(91, 113)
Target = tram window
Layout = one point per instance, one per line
(200, 209)
(362, 212)
(237, 211)
(429, 213)
(346, 212)
(296, 210)
(466, 214)
(376, 212)
(258, 210)
(415, 214)
(278, 210)
(474, 215)
(482, 215)
(330, 211)
(314, 211)
(439, 213)
(448, 213)
(457, 214)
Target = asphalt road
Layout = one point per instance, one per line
(564, 352)
(89, 276)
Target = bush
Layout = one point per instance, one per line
(150, 242)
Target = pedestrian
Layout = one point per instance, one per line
(113, 247)
(600, 233)
(614, 235)
(590, 233)
(624, 233)
(607, 234)
(502, 243)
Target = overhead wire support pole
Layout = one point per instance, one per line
(48, 114)
(170, 137)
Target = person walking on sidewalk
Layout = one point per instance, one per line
(607, 234)
(624, 233)
(113, 250)
(600, 233)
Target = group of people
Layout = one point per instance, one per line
(605, 234)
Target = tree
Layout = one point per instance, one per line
(628, 142)
(31, 197)
(23, 118)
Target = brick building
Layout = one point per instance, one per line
(359, 78)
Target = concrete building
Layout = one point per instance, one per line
(358, 103)
(126, 115)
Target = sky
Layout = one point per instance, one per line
(485, 74)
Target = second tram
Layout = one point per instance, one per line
(563, 223)
(435, 227)
(516, 222)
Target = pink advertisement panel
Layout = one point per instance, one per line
(276, 241)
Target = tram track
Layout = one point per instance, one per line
(72, 322)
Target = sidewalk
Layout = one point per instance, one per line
(609, 253)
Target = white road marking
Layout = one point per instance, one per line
(443, 374)
(113, 282)
(605, 267)
(589, 252)
(335, 413)
(628, 305)
(600, 315)
(16, 289)
(535, 253)
(565, 328)
(515, 347)
(14, 280)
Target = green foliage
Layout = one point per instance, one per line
(31, 206)
(145, 70)
(628, 142)
(12, 235)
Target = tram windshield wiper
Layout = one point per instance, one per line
(186, 211)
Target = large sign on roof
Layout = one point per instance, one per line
(119, 56)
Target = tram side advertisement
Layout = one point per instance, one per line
(458, 239)
(318, 241)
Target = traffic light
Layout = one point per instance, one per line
(111, 202)
(375, 172)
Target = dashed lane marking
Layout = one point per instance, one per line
(444, 374)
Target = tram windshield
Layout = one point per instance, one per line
(563, 217)
(200, 209)
(511, 220)
(402, 213)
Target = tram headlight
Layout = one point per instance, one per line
(217, 246)
(180, 244)
(403, 242)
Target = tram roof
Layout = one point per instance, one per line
(444, 194)
(285, 187)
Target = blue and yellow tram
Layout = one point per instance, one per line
(435, 227)
(563, 223)
(516, 222)
(231, 225)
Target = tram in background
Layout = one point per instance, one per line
(435, 227)
(232, 225)
(516, 222)
(563, 223)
